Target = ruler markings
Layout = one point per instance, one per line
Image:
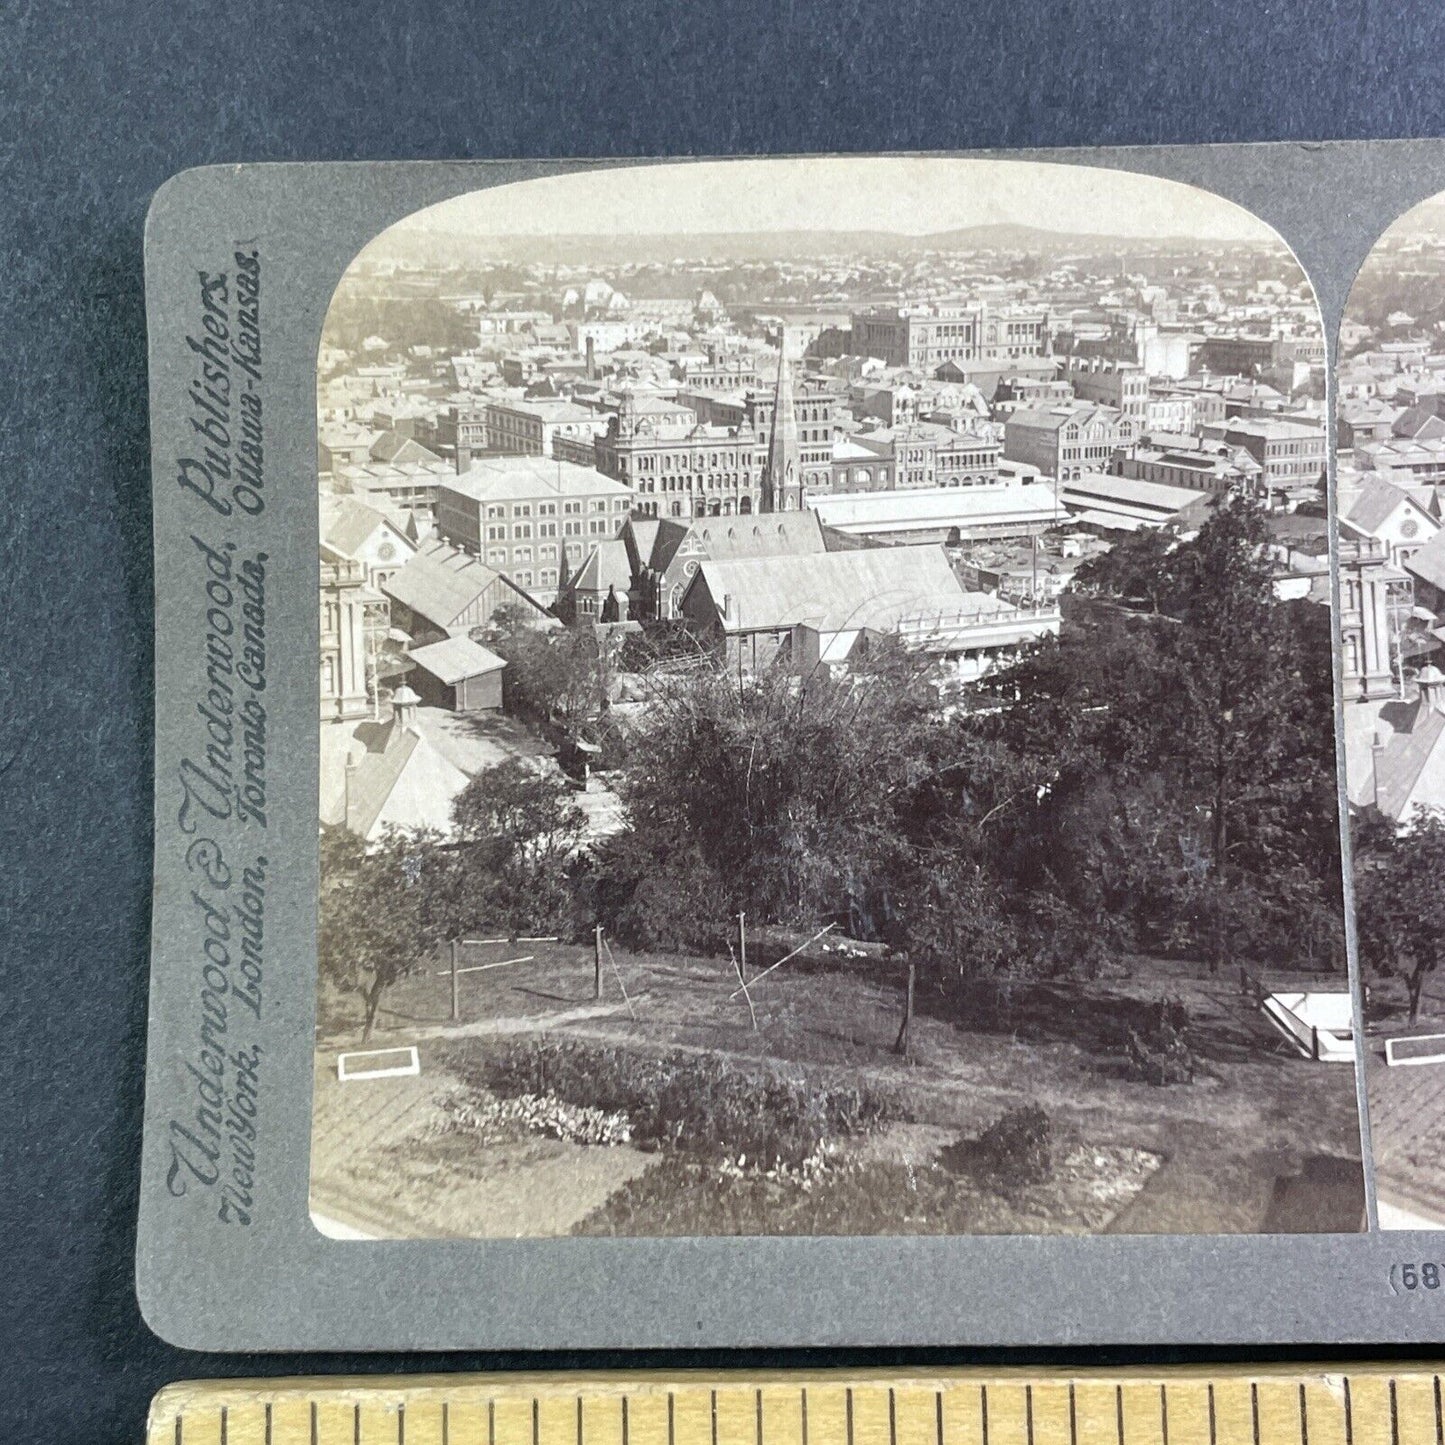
(1370, 1406)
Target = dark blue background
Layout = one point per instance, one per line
(98, 105)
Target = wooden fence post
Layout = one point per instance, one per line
(597, 960)
(456, 1005)
(742, 946)
(901, 1044)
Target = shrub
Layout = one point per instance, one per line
(1159, 1052)
(699, 1103)
(1015, 1151)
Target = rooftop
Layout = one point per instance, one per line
(493, 479)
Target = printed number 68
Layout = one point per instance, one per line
(1412, 1277)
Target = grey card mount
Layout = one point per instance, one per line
(799, 751)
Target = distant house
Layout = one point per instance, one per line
(458, 674)
(442, 591)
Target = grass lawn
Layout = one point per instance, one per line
(1201, 1157)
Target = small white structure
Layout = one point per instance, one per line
(378, 1064)
(1321, 1026)
(1416, 1049)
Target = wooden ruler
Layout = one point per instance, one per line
(1229, 1405)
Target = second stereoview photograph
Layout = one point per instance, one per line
(826, 710)
(1391, 466)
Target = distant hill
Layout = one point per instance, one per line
(464, 247)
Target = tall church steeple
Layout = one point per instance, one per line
(782, 473)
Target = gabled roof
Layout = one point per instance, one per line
(1428, 562)
(607, 565)
(393, 448)
(347, 523)
(454, 659)
(399, 778)
(1419, 423)
(440, 583)
(1409, 771)
(1377, 502)
(871, 587)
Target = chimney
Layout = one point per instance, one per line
(403, 709)
(591, 358)
(1431, 682)
(464, 458)
(727, 608)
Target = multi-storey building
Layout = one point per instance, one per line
(532, 520)
(1292, 453)
(1119, 384)
(530, 428)
(345, 598)
(926, 454)
(1199, 465)
(1065, 442)
(678, 466)
(458, 433)
(814, 410)
(926, 336)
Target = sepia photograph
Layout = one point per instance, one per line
(827, 714)
(1391, 522)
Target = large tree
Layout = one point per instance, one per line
(1400, 895)
(379, 912)
(511, 865)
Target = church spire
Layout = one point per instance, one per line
(782, 474)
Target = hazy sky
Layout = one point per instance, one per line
(911, 195)
(1427, 219)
